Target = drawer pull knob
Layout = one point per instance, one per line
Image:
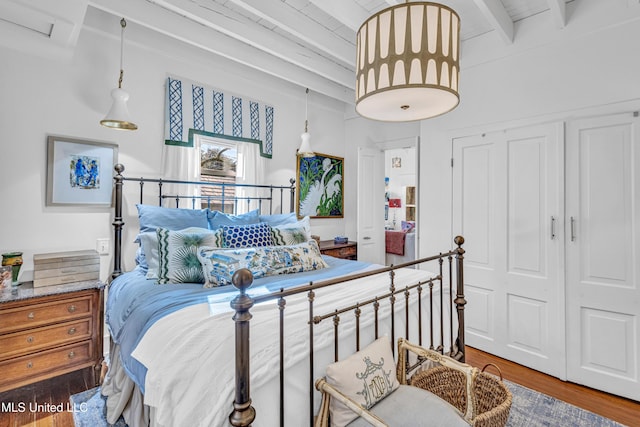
(71, 355)
(29, 365)
(71, 308)
(29, 340)
(31, 315)
(72, 331)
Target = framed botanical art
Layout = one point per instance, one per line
(79, 172)
(320, 186)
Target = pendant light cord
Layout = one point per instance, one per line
(306, 111)
(123, 24)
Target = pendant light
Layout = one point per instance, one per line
(305, 146)
(118, 115)
(407, 62)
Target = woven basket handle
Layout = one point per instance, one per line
(495, 366)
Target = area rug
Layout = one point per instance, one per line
(529, 408)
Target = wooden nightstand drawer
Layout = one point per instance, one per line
(21, 343)
(20, 318)
(34, 365)
(347, 250)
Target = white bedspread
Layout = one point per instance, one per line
(190, 357)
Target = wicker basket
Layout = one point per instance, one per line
(491, 398)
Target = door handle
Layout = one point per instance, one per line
(366, 238)
(553, 228)
(573, 231)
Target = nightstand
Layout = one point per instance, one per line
(49, 331)
(347, 250)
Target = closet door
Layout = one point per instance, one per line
(603, 253)
(371, 205)
(508, 203)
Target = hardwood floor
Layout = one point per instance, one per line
(624, 411)
(58, 390)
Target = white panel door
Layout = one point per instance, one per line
(508, 190)
(371, 205)
(603, 253)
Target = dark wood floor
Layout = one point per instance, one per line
(57, 391)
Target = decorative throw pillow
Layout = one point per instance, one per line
(290, 234)
(366, 377)
(217, 219)
(178, 254)
(243, 236)
(153, 217)
(149, 245)
(219, 265)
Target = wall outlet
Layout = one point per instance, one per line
(102, 246)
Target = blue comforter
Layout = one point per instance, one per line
(135, 303)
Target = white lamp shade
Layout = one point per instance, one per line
(407, 62)
(305, 146)
(118, 115)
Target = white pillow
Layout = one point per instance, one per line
(366, 377)
(292, 233)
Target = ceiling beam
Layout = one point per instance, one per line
(302, 27)
(558, 10)
(393, 2)
(180, 28)
(232, 24)
(349, 13)
(497, 15)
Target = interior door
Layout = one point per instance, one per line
(603, 253)
(371, 205)
(508, 204)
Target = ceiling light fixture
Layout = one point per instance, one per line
(118, 115)
(407, 62)
(305, 146)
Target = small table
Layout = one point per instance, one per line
(49, 331)
(347, 250)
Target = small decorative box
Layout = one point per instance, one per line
(65, 267)
(340, 240)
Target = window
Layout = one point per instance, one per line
(218, 163)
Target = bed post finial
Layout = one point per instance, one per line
(243, 413)
(118, 180)
(460, 301)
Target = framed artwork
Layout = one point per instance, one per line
(79, 172)
(320, 186)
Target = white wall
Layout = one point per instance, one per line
(590, 67)
(41, 97)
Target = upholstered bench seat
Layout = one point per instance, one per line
(410, 406)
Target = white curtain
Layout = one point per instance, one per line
(182, 164)
(250, 170)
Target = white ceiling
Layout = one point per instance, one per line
(308, 42)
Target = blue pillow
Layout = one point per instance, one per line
(279, 219)
(153, 217)
(247, 236)
(217, 219)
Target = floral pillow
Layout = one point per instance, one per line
(356, 375)
(178, 254)
(243, 236)
(290, 234)
(219, 265)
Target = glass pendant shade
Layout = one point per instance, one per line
(407, 62)
(305, 146)
(118, 115)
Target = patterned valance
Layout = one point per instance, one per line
(193, 108)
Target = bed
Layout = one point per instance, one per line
(251, 344)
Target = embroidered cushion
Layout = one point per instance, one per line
(217, 219)
(366, 377)
(178, 254)
(243, 236)
(290, 234)
(219, 265)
